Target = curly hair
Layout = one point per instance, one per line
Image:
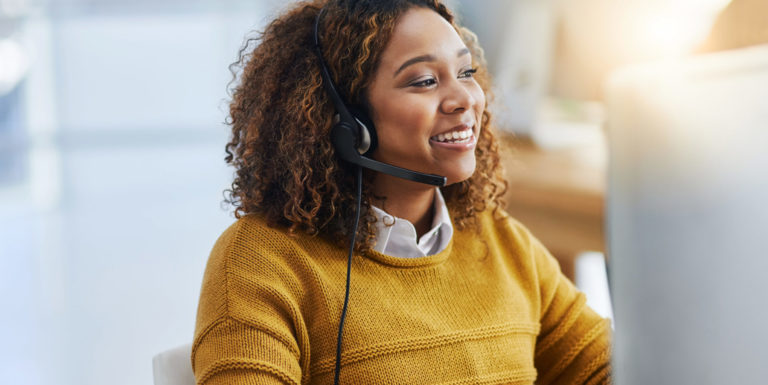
(281, 117)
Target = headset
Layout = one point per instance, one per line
(354, 138)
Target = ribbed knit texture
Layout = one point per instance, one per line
(492, 308)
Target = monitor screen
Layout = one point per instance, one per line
(687, 219)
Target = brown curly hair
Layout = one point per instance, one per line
(286, 167)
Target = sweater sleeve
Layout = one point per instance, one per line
(247, 321)
(232, 352)
(574, 345)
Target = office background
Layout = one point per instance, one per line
(111, 152)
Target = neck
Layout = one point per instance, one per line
(408, 200)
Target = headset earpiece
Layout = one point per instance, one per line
(367, 140)
(344, 139)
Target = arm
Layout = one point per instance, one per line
(233, 352)
(247, 322)
(574, 346)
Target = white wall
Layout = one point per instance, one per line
(104, 241)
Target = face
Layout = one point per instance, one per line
(426, 105)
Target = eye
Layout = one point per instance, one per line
(424, 83)
(470, 73)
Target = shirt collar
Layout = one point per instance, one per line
(397, 237)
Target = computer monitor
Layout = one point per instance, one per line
(687, 220)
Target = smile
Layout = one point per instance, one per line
(462, 135)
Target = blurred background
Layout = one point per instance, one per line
(112, 139)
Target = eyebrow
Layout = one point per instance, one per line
(427, 58)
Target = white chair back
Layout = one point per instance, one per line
(173, 367)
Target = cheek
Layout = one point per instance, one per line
(402, 121)
(479, 96)
(389, 122)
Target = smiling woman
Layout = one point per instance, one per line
(446, 287)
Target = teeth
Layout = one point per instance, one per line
(454, 137)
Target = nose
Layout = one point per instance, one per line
(457, 97)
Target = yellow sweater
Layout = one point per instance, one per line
(492, 308)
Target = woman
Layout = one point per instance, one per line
(446, 288)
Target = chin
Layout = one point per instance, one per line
(460, 173)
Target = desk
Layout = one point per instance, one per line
(558, 194)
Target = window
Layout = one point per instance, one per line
(13, 151)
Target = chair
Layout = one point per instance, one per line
(592, 279)
(173, 367)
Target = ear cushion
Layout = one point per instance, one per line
(368, 140)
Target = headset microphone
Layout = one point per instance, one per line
(344, 141)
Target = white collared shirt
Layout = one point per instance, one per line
(399, 240)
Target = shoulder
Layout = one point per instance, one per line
(249, 259)
(252, 235)
(501, 226)
(512, 239)
(248, 232)
(252, 247)
(250, 292)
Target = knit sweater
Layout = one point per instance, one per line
(492, 308)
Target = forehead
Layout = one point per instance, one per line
(421, 31)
